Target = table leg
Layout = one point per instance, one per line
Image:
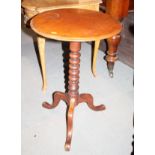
(111, 56)
(72, 97)
(96, 48)
(41, 48)
(88, 98)
(118, 9)
(28, 14)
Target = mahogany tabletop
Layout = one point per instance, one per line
(75, 25)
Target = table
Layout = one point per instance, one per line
(34, 7)
(74, 26)
(118, 9)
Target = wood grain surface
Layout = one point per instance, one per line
(75, 25)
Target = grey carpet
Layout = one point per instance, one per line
(107, 132)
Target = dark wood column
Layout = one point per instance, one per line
(118, 9)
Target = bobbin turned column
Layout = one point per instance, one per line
(73, 88)
(72, 97)
(74, 70)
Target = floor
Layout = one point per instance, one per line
(106, 132)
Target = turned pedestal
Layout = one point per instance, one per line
(74, 26)
(72, 97)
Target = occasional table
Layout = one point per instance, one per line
(33, 7)
(74, 26)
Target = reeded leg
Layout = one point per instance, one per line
(41, 47)
(56, 99)
(97, 43)
(111, 54)
(89, 100)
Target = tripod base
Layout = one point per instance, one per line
(72, 103)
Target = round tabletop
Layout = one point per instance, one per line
(75, 25)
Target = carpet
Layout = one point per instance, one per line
(106, 132)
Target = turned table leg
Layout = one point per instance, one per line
(111, 56)
(72, 97)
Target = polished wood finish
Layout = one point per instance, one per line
(118, 9)
(131, 5)
(84, 29)
(112, 52)
(125, 51)
(33, 7)
(72, 97)
(75, 26)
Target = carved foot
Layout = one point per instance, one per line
(69, 124)
(89, 100)
(56, 99)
